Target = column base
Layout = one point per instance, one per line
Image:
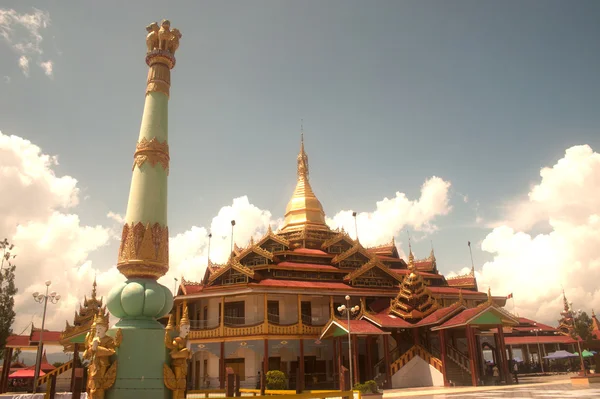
(140, 364)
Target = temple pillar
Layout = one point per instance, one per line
(415, 332)
(266, 358)
(442, 334)
(75, 364)
(301, 366)
(386, 361)
(472, 353)
(369, 369)
(340, 362)
(222, 367)
(335, 358)
(502, 345)
(355, 368)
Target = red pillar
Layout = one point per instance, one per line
(502, 346)
(301, 365)
(355, 369)
(222, 367)
(386, 357)
(266, 358)
(472, 353)
(335, 357)
(369, 374)
(442, 334)
(75, 364)
(415, 332)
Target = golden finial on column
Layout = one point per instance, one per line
(162, 42)
(490, 301)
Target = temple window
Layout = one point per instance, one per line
(306, 312)
(235, 313)
(273, 311)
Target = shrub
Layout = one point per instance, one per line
(276, 380)
(367, 387)
(372, 386)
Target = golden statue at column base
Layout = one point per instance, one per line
(175, 377)
(99, 347)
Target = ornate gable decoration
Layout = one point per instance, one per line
(415, 300)
(233, 264)
(372, 264)
(341, 236)
(356, 249)
(252, 248)
(566, 323)
(273, 237)
(388, 249)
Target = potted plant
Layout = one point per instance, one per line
(369, 390)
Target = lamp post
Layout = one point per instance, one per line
(536, 330)
(346, 310)
(53, 297)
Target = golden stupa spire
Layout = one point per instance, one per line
(304, 209)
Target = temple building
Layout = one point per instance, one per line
(281, 303)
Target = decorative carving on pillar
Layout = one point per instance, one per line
(161, 43)
(144, 251)
(152, 151)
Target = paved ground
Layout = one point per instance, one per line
(549, 390)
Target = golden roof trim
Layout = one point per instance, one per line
(357, 248)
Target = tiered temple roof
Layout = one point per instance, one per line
(306, 255)
(83, 319)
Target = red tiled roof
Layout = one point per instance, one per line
(308, 266)
(390, 258)
(461, 281)
(49, 336)
(542, 339)
(359, 327)
(452, 290)
(387, 321)
(380, 304)
(269, 282)
(440, 314)
(193, 289)
(462, 317)
(527, 324)
(17, 341)
(310, 251)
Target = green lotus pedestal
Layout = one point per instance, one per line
(138, 303)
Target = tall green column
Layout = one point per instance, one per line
(144, 252)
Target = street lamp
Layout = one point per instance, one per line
(343, 309)
(536, 331)
(53, 297)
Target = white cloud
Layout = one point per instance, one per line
(116, 217)
(24, 65)
(22, 32)
(50, 243)
(535, 266)
(392, 216)
(47, 67)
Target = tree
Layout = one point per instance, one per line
(8, 290)
(57, 364)
(583, 326)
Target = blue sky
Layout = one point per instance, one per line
(480, 93)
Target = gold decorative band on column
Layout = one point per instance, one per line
(144, 251)
(152, 151)
(159, 75)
